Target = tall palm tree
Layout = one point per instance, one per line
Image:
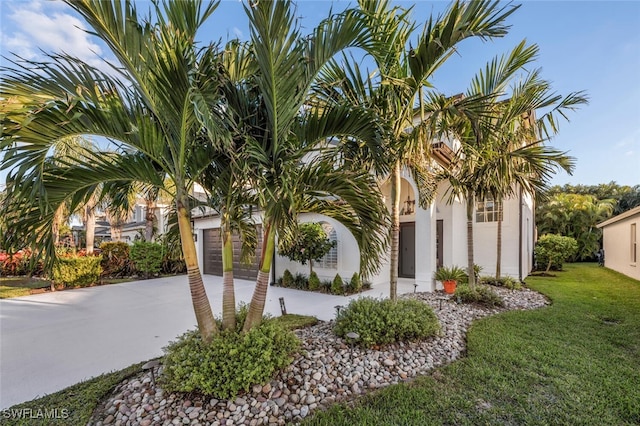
(501, 149)
(288, 178)
(150, 109)
(399, 94)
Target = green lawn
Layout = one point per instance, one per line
(576, 362)
(20, 286)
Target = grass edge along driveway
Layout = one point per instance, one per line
(574, 362)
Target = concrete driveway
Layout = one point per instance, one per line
(53, 340)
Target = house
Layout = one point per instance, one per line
(620, 242)
(429, 238)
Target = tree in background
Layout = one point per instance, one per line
(626, 197)
(576, 216)
(308, 243)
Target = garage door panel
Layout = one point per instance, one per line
(213, 255)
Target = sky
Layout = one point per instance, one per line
(591, 46)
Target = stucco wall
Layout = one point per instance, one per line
(617, 246)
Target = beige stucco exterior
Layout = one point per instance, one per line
(621, 235)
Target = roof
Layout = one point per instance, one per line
(621, 216)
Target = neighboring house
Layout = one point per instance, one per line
(136, 224)
(134, 227)
(429, 238)
(620, 242)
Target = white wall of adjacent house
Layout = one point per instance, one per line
(620, 243)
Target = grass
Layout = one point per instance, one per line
(73, 405)
(574, 362)
(20, 286)
(295, 321)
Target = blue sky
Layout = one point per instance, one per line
(584, 45)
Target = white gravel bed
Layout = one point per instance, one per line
(326, 370)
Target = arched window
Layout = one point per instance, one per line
(330, 260)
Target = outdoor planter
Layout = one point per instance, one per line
(449, 286)
(449, 276)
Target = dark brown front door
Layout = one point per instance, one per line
(439, 243)
(212, 255)
(407, 260)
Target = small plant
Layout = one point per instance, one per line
(308, 243)
(287, 279)
(481, 295)
(355, 285)
(300, 281)
(115, 259)
(230, 363)
(337, 285)
(506, 282)
(77, 271)
(449, 273)
(380, 322)
(146, 257)
(314, 281)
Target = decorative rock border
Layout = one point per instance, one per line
(326, 370)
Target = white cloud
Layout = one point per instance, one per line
(49, 27)
(237, 32)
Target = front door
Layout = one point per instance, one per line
(407, 260)
(439, 243)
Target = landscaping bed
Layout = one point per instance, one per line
(327, 370)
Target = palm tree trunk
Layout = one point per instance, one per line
(258, 300)
(149, 219)
(395, 231)
(90, 226)
(228, 290)
(57, 223)
(470, 270)
(201, 305)
(499, 245)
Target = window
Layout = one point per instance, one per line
(634, 243)
(330, 260)
(488, 211)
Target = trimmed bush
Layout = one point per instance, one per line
(146, 257)
(481, 294)
(337, 285)
(287, 278)
(380, 322)
(230, 363)
(115, 259)
(77, 271)
(506, 282)
(355, 285)
(552, 250)
(314, 281)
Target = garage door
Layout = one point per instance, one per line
(212, 254)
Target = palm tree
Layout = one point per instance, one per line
(399, 95)
(150, 110)
(501, 149)
(288, 179)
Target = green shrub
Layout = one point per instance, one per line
(115, 259)
(481, 295)
(337, 285)
(506, 282)
(380, 322)
(77, 271)
(230, 363)
(325, 286)
(552, 250)
(287, 278)
(355, 285)
(300, 281)
(314, 281)
(146, 257)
